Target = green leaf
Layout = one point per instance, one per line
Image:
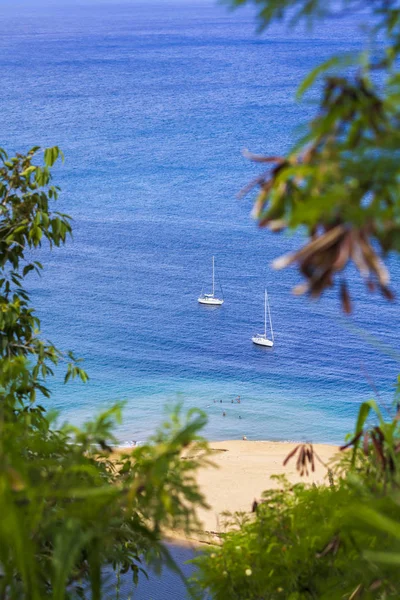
(335, 61)
(363, 413)
(378, 521)
(68, 543)
(388, 558)
(51, 155)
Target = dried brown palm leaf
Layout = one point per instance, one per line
(277, 225)
(321, 281)
(343, 252)
(378, 446)
(263, 159)
(310, 457)
(373, 261)
(387, 292)
(323, 260)
(300, 459)
(353, 441)
(358, 256)
(306, 458)
(379, 434)
(322, 242)
(284, 261)
(345, 297)
(291, 454)
(366, 443)
(307, 269)
(260, 180)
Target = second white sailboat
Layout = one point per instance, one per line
(261, 338)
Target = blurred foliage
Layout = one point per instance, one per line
(340, 183)
(340, 186)
(325, 542)
(68, 506)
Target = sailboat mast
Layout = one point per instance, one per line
(269, 314)
(213, 276)
(265, 313)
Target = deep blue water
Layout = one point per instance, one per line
(152, 106)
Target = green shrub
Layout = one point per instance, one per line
(340, 540)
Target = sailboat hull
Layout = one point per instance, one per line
(262, 341)
(210, 301)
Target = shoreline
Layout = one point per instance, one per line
(242, 471)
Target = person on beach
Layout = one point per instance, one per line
(224, 414)
(238, 399)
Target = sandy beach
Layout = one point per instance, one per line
(243, 472)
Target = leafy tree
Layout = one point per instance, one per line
(340, 182)
(69, 506)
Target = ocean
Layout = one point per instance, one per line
(152, 105)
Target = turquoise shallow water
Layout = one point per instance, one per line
(152, 106)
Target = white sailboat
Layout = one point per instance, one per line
(211, 299)
(261, 338)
